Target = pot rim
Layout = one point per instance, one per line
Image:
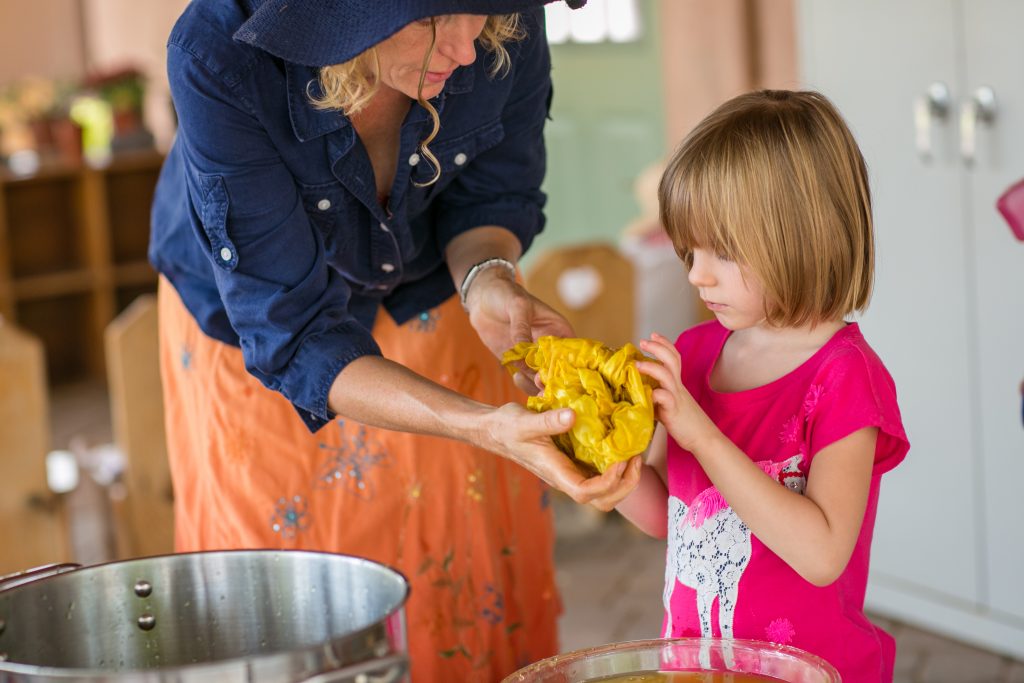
(240, 663)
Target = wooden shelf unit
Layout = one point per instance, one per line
(73, 243)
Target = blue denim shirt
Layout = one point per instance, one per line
(266, 219)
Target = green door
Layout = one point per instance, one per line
(608, 124)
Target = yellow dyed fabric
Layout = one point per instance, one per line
(612, 400)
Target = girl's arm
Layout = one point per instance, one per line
(814, 533)
(647, 506)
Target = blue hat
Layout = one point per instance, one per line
(324, 32)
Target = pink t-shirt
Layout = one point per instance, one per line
(720, 580)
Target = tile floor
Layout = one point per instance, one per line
(610, 575)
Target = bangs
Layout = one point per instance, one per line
(698, 211)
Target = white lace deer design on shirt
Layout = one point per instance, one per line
(709, 548)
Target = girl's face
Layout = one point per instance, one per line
(401, 55)
(732, 293)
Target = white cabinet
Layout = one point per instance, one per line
(948, 313)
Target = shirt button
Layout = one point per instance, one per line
(387, 267)
(225, 254)
(460, 159)
(384, 227)
(414, 159)
(323, 204)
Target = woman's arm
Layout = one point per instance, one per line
(477, 245)
(379, 392)
(647, 506)
(493, 206)
(500, 309)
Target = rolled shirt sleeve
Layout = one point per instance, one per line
(288, 307)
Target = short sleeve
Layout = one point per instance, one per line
(853, 391)
(698, 348)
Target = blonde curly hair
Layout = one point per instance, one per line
(350, 86)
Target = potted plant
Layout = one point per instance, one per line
(65, 133)
(124, 90)
(33, 97)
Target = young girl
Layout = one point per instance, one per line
(777, 418)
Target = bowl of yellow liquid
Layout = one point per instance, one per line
(683, 660)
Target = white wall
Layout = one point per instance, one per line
(40, 38)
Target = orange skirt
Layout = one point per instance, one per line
(470, 530)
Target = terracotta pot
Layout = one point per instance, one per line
(67, 139)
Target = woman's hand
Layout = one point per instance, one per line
(674, 407)
(524, 437)
(503, 313)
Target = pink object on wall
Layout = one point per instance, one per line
(1011, 205)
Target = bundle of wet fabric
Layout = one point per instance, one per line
(611, 398)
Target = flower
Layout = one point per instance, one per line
(35, 97)
(814, 393)
(790, 431)
(124, 88)
(780, 631)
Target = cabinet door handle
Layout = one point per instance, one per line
(979, 109)
(931, 106)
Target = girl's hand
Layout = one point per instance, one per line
(503, 313)
(673, 405)
(524, 437)
(630, 480)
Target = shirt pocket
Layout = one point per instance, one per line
(454, 155)
(329, 210)
(342, 226)
(213, 215)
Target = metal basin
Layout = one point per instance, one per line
(248, 615)
(703, 656)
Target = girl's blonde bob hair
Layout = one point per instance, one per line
(775, 181)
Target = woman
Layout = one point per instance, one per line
(343, 169)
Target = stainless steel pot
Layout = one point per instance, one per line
(257, 616)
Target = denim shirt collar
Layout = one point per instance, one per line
(308, 122)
